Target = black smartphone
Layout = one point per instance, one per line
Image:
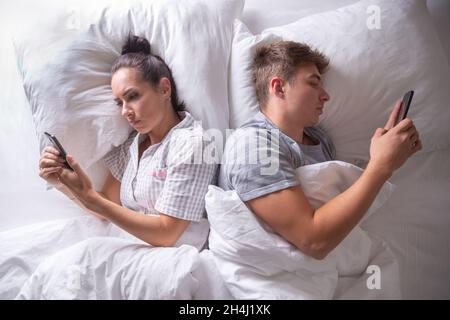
(406, 102)
(60, 148)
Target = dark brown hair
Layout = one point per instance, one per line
(136, 53)
(282, 58)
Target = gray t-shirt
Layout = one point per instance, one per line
(260, 159)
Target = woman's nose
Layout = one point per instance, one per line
(125, 109)
(124, 112)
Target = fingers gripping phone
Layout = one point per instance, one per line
(60, 148)
(406, 102)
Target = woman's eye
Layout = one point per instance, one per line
(130, 97)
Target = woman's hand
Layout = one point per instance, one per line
(77, 182)
(49, 166)
(392, 146)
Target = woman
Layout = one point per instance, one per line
(153, 172)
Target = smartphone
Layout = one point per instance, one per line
(406, 102)
(60, 148)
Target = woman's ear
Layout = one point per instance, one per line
(165, 87)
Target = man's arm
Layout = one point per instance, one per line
(317, 232)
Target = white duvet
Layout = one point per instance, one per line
(256, 263)
(85, 258)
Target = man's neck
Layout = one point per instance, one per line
(286, 124)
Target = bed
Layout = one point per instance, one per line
(415, 218)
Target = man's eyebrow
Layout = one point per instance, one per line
(317, 76)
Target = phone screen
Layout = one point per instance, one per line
(406, 102)
(60, 148)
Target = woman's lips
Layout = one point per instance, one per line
(133, 123)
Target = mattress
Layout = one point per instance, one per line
(416, 228)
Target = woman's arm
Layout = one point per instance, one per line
(110, 191)
(158, 231)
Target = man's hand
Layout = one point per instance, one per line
(392, 145)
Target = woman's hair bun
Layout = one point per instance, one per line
(135, 44)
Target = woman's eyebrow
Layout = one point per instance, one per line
(125, 93)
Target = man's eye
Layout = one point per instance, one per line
(119, 103)
(133, 96)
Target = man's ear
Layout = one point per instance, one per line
(165, 87)
(277, 87)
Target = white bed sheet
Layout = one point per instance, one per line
(417, 229)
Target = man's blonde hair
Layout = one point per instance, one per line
(282, 58)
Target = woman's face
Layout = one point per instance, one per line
(143, 106)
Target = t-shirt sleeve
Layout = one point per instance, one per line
(256, 163)
(188, 177)
(117, 159)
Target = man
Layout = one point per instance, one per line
(288, 82)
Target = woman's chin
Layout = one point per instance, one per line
(139, 127)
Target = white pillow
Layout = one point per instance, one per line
(370, 69)
(262, 14)
(65, 65)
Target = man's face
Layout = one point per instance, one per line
(305, 95)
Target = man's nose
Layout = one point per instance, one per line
(324, 96)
